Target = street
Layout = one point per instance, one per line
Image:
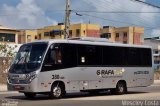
(147, 95)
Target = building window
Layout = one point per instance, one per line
(46, 34)
(117, 35)
(7, 37)
(77, 32)
(125, 34)
(36, 37)
(56, 32)
(84, 32)
(28, 36)
(106, 35)
(39, 36)
(70, 33)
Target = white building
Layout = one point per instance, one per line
(155, 43)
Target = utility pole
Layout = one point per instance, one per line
(67, 19)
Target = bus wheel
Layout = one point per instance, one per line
(30, 95)
(57, 91)
(121, 88)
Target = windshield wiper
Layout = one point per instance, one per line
(24, 62)
(19, 60)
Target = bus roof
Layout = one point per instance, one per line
(78, 41)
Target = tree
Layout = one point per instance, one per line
(7, 54)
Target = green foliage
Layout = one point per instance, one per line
(7, 50)
(6, 56)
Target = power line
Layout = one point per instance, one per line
(148, 28)
(84, 11)
(149, 4)
(139, 20)
(120, 12)
(108, 5)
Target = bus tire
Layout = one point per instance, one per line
(121, 88)
(57, 91)
(29, 95)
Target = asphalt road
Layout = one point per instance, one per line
(142, 96)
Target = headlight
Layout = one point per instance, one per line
(31, 77)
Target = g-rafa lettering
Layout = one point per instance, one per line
(105, 72)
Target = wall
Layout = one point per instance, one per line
(134, 34)
(84, 30)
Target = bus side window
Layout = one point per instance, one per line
(53, 56)
(53, 59)
(49, 59)
(58, 57)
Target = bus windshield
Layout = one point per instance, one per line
(29, 58)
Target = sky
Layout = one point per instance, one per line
(33, 14)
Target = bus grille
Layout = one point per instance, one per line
(15, 81)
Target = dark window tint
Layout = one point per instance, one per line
(69, 55)
(53, 59)
(89, 55)
(133, 56)
(139, 57)
(60, 56)
(126, 56)
(147, 57)
(113, 56)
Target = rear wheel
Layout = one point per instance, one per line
(30, 95)
(120, 89)
(57, 91)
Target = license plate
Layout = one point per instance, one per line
(17, 87)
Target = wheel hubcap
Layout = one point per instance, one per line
(57, 91)
(121, 88)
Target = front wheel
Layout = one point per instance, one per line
(57, 91)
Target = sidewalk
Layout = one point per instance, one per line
(157, 82)
(3, 87)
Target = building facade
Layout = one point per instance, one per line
(127, 35)
(76, 30)
(51, 32)
(25, 36)
(8, 35)
(155, 44)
